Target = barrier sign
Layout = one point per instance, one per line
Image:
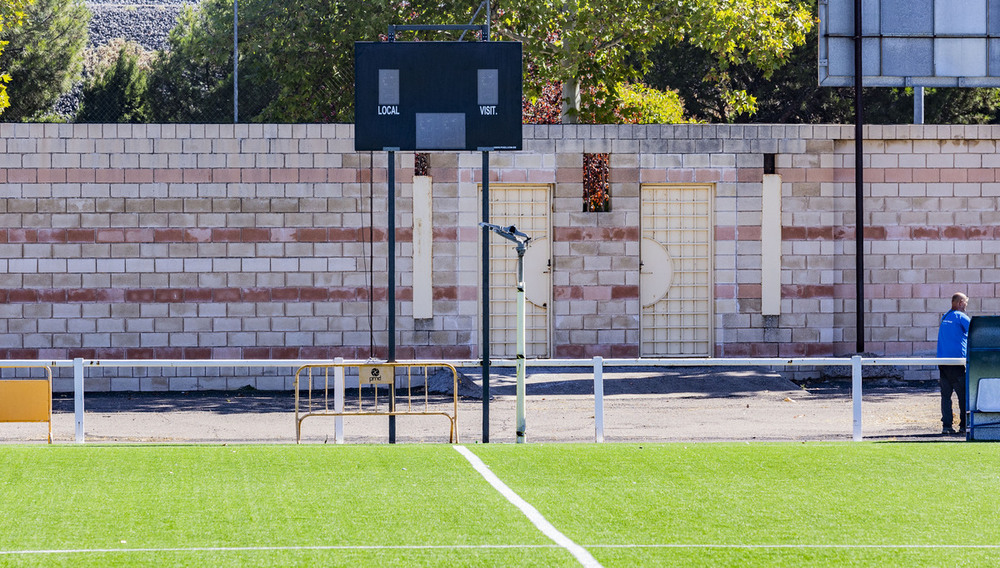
(375, 374)
(27, 400)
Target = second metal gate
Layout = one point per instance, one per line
(675, 281)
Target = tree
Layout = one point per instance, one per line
(958, 106)
(641, 104)
(117, 93)
(44, 56)
(592, 47)
(296, 59)
(193, 81)
(792, 93)
(11, 17)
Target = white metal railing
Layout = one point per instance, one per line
(856, 363)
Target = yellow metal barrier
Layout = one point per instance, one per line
(27, 400)
(374, 374)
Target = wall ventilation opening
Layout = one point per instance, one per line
(769, 164)
(421, 164)
(596, 182)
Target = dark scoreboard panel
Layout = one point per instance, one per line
(437, 95)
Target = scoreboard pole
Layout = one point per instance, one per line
(392, 291)
(486, 272)
(486, 297)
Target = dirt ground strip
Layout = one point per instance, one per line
(640, 405)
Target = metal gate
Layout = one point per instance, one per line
(675, 271)
(528, 208)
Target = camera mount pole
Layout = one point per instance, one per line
(520, 241)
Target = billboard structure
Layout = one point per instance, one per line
(903, 43)
(911, 43)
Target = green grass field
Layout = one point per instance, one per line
(838, 504)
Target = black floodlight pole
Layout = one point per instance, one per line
(859, 179)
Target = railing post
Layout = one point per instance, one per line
(856, 394)
(598, 399)
(78, 397)
(338, 400)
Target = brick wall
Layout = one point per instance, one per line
(252, 241)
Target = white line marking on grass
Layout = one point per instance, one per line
(483, 547)
(275, 548)
(799, 546)
(529, 511)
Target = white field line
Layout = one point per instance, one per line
(578, 552)
(489, 546)
(273, 548)
(802, 546)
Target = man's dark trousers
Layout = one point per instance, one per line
(952, 380)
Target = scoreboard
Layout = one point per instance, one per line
(426, 95)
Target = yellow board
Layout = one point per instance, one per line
(376, 374)
(25, 400)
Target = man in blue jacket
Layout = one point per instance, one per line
(953, 341)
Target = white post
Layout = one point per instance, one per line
(338, 400)
(598, 399)
(78, 397)
(521, 422)
(856, 394)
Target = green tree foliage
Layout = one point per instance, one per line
(193, 81)
(44, 56)
(296, 57)
(296, 60)
(592, 47)
(792, 93)
(11, 17)
(641, 104)
(117, 93)
(956, 106)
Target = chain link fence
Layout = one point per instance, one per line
(164, 61)
(201, 61)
